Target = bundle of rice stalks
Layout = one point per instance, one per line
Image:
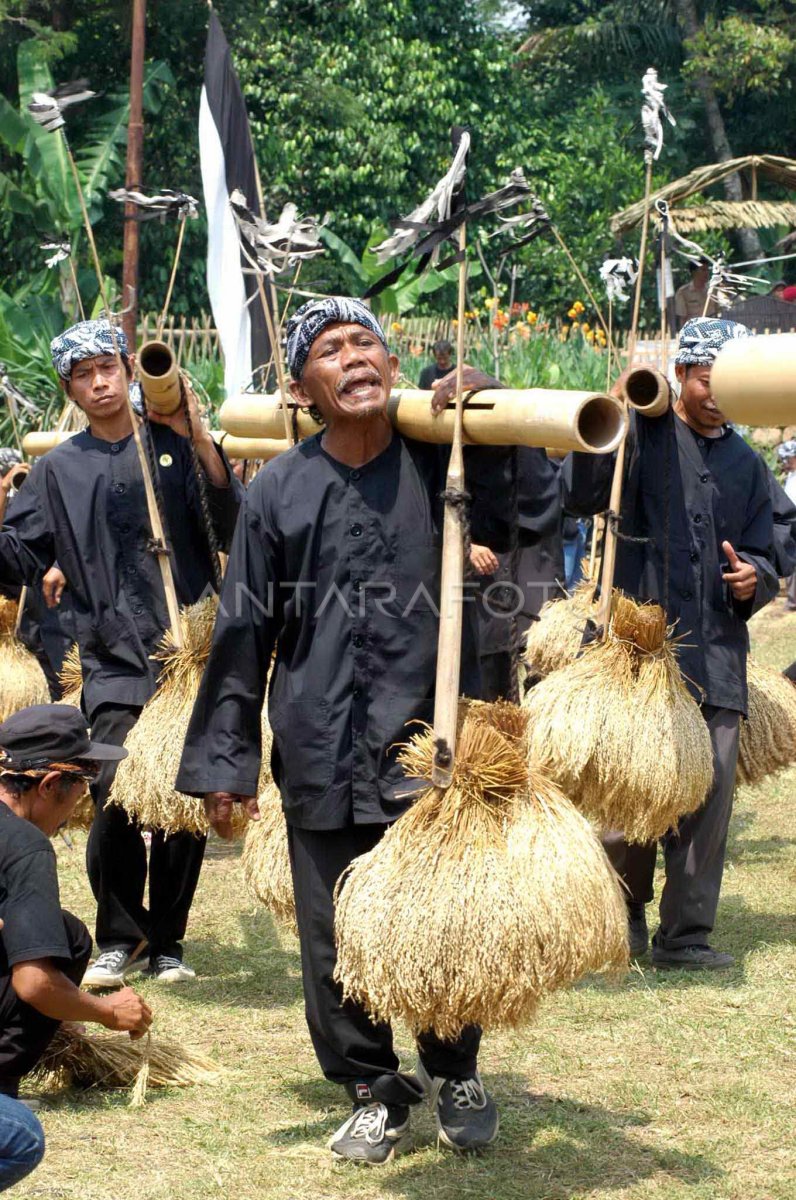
(144, 783)
(555, 639)
(618, 730)
(768, 737)
(265, 860)
(103, 1060)
(483, 897)
(71, 677)
(83, 813)
(22, 680)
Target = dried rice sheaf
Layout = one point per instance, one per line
(144, 782)
(768, 736)
(77, 1059)
(556, 638)
(481, 898)
(71, 676)
(265, 859)
(619, 731)
(22, 680)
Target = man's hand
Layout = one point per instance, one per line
(7, 484)
(128, 1013)
(445, 388)
(177, 421)
(483, 560)
(218, 807)
(742, 577)
(52, 586)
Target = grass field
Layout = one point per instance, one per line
(668, 1087)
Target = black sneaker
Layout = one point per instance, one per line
(167, 969)
(637, 928)
(111, 967)
(372, 1135)
(691, 958)
(465, 1114)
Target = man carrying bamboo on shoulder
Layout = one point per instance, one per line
(696, 535)
(84, 507)
(336, 563)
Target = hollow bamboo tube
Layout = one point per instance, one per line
(647, 390)
(753, 380)
(587, 421)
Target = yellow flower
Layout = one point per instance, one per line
(532, 317)
(579, 306)
(585, 327)
(572, 313)
(397, 327)
(490, 302)
(576, 325)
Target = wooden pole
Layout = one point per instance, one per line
(158, 532)
(449, 647)
(583, 281)
(631, 345)
(172, 277)
(271, 319)
(135, 162)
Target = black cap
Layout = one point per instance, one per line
(51, 733)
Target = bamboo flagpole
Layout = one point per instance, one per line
(46, 111)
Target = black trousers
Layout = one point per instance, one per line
(350, 1048)
(25, 1033)
(693, 853)
(117, 862)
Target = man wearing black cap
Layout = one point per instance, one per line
(84, 506)
(46, 762)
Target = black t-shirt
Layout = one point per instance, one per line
(431, 374)
(30, 904)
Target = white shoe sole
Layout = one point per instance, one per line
(175, 975)
(104, 979)
(400, 1147)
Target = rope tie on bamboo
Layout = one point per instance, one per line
(614, 519)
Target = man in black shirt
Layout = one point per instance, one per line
(698, 538)
(442, 365)
(335, 563)
(46, 761)
(84, 506)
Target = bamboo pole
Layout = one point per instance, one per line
(158, 532)
(583, 281)
(270, 324)
(449, 648)
(172, 277)
(631, 345)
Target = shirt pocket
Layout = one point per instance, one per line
(303, 742)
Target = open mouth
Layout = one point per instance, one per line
(361, 386)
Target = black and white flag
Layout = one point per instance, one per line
(227, 161)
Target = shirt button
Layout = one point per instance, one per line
(357, 585)
(131, 570)
(355, 531)
(705, 478)
(355, 475)
(119, 488)
(694, 556)
(688, 595)
(115, 448)
(139, 608)
(358, 640)
(357, 692)
(697, 518)
(700, 441)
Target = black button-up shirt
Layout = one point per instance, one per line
(84, 506)
(683, 496)
(339, 569)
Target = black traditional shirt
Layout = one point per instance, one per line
(84, 506)
(683, 496)
(339, 569)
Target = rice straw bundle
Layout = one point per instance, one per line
(82, 814)
(618, 730)
(22, 680)
(102, 1060)
(144, 782)
(556, 638)
(265, 859)
(768, 737)
(483, 897)
(70, 676)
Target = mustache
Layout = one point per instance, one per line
(353, 377)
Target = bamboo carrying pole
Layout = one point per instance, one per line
(270, 324)
(631, 345)
(158, 531)
(449, 647)
(589, 421)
